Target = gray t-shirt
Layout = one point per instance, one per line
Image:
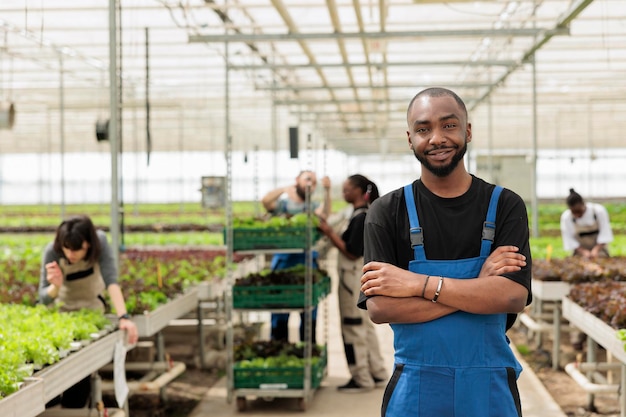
(106, 262)
(285, 205)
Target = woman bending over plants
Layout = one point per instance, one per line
(76, 269)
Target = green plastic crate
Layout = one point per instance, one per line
(279, 378)
(278, 296)
(272, 238)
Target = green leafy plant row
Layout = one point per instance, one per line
(149, 278)
(35, 336)
(193, 213)
(279, 352)
(275, 222)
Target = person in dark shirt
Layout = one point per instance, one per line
(448, 265)
(360, 340)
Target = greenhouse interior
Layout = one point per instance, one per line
(159, 159)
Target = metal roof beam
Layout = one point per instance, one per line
(277, 37)
(327, 102)
(564, 19)
(364, 86)
(478, 63)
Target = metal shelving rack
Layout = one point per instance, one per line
(305, 394)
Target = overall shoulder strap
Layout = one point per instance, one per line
(359, 211)
(489, 226)
(417, 238)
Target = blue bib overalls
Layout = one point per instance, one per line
(459, 365)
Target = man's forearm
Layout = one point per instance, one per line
(270, 198)
(384, 309)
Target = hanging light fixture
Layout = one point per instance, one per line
(7, 108)
(102, 129)
(7, 115)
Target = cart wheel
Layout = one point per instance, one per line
(301, 404)
(241, 404)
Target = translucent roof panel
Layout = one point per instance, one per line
(533, 73)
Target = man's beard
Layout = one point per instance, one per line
(301, 192)
(443, 171)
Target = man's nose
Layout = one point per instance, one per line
(437, 136)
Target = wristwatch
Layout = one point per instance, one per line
(124, 316)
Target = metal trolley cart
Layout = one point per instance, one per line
(293, 382)
(298, 383)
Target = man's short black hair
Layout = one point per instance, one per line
(437, 92)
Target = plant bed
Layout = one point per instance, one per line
(152, 278)
(604, 300)
(279, 289)
(274, 365)
(78, 365)
(32, 338)
(153, 321)
(274, 233)
(288, 377)
(25, 402)
(598, 330)
(577, 269)
(549, 290)
(148, 278)
(272, 238)
(279, 296)
(571, 397)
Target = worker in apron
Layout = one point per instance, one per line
(360, 341)
(461, 361)
(587, 237)
(448, 297)
(585, 228)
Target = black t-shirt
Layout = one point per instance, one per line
(353, 235)
(452, 228)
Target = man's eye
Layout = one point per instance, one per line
(449, 125)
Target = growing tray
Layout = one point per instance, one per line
(549, 290)
(152, 322)
(271, 238)
(209, 290)
(78, 365)
(595, 328)
(278, 296)
(283, 378)
(28, 401)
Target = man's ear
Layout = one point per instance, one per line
(468, 132)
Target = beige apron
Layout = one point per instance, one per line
(587, 236)
(360, 340)
(82, 287)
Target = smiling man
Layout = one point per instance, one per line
(447, 265)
